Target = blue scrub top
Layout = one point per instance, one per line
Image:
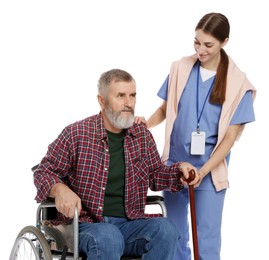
(186, 121)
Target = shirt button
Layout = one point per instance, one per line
(103, 188)
(105, 169)
(100, 207)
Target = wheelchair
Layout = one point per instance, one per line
(46, 242)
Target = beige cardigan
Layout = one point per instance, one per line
(237, 85)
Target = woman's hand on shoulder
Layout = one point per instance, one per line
(140, 120)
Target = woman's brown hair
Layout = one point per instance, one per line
(217, 25)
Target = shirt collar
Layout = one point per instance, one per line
(132, 131)
(100, 128)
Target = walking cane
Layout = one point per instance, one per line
(193, 216)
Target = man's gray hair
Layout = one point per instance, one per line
(112, 76)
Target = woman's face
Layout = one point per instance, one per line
(208, 48)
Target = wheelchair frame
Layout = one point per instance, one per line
(34, 237)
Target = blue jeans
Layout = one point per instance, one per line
(153, 239)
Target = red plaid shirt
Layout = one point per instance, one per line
(81, 154)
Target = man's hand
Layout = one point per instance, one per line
(65, 200)
(190, 174)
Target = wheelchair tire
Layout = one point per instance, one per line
(30, 244)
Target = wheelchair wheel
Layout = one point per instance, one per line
(54, 235)
(30, 244)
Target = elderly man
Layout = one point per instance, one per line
(110, 162)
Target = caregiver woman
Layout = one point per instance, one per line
(207, 102)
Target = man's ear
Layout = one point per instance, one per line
(101, 101)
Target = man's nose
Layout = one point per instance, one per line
(127, 101)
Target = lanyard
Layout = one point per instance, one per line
(197, 99)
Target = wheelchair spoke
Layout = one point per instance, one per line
(30, 245)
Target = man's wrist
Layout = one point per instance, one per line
(56, 189)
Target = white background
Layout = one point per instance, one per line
(51, 56)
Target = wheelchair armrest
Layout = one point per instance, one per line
(154, 198)
(157, 200)
(49, 203)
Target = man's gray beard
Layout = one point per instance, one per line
(116, 120)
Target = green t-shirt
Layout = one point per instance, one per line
(114, 195)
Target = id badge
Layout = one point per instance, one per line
(197, 143)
